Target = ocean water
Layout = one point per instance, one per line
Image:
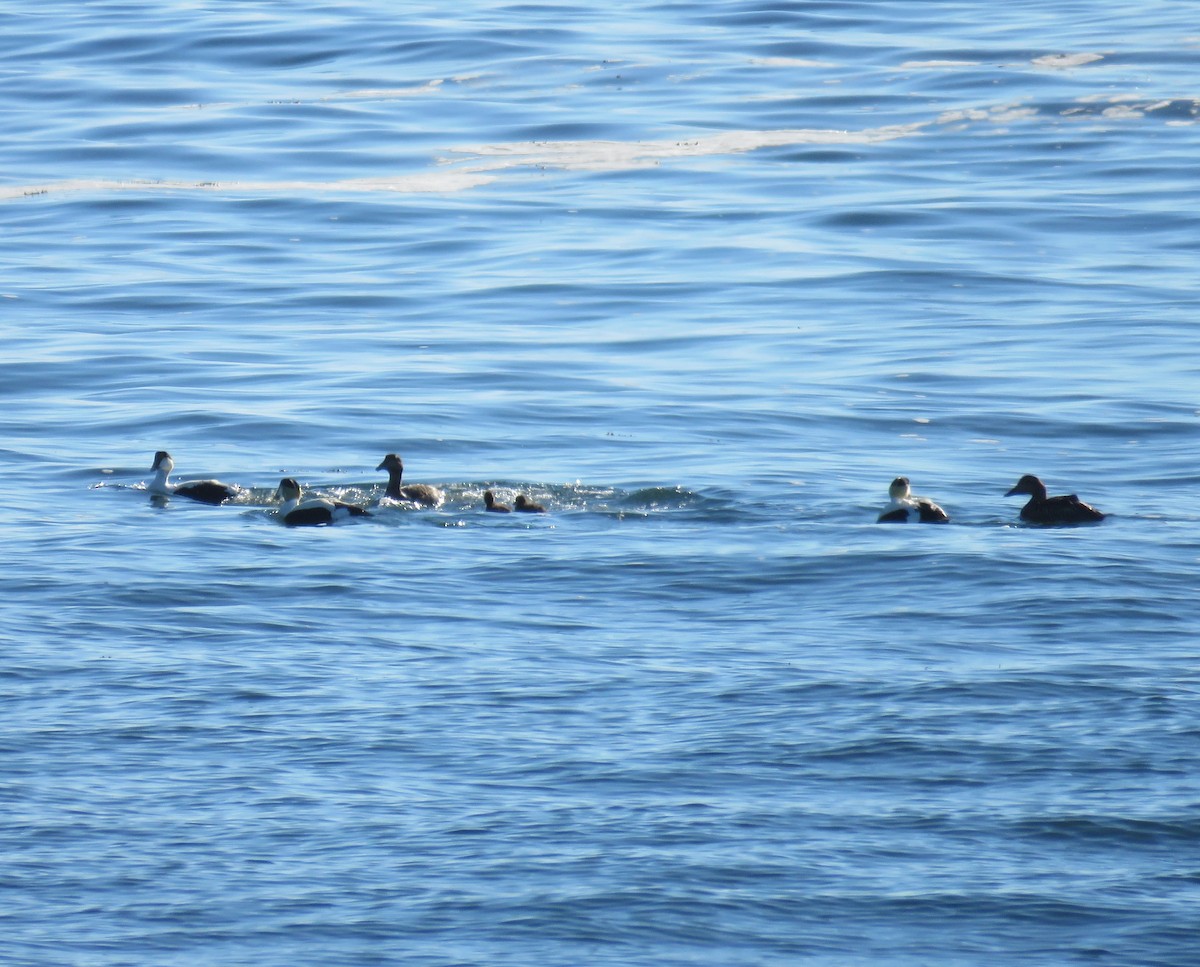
(702, 278)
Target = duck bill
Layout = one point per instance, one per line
(1016, 490)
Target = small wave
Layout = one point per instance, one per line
(1108, 830)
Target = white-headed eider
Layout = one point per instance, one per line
(527, 506)
(489, 503)
(423, 494)
(315, 510)
(204, 491)
(1063, 509)
(906, 509)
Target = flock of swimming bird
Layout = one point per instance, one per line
(296, 509)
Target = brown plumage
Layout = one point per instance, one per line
(1063, 509)
(525, 505)
(489, 500)
(422, 494)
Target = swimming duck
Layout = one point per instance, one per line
(489, 500)
(1063, 509)
(418, 493)
(205, 491)
(905, 508)
(314, 510)
(527, 506)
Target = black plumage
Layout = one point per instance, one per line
(313, 511)
(906, 509)
(202, 491)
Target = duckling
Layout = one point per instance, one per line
(527, 506)
(418, 493)
(1063, 509)
(204, 491)
(489, 500)
(313, 511)
(905, 508)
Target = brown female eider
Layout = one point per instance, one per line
(1063, 509)
(418, 493)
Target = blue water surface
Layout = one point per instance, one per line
(702, 278)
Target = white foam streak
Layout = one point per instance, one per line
(440, 181)
(1066, 61)
(483, 161)
(622, 155)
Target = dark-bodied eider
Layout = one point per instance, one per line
(1063, 509)
(489, 501)
(418, 493)
(204, 491)
(906, 509)
(315, 510)
(527, 506)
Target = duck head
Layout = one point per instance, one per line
(392, 464)
(1030, 486)
(288, 489)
